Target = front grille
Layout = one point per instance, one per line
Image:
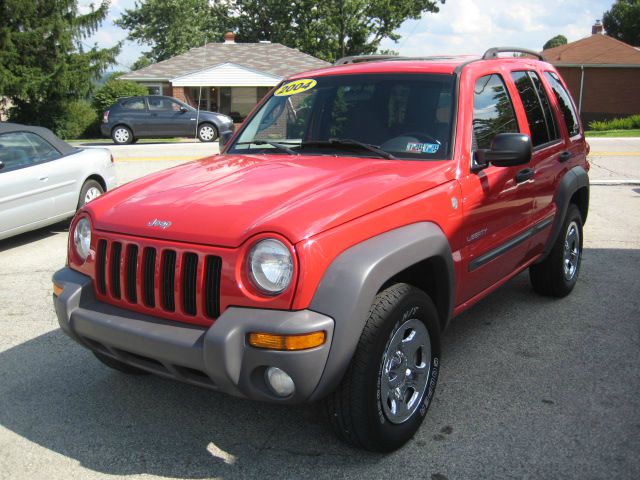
(170, 282)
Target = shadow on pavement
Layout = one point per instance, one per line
(34, 236)
(530, 386)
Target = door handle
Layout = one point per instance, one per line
(564, 156)
(43, 179)
(524, 175)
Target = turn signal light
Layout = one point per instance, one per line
(287, 342)
(57, 289)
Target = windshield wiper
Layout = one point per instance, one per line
(279, 146)
(348, 142)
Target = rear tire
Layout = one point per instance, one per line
(387, 389)
(120, 366)
(121, 135)
(557, 274)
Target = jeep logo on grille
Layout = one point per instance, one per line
(163, 224)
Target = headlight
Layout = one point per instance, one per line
(82, 238)
(270, 266)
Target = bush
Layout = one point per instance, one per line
(78, 119)
(114, 89)
(627, 123)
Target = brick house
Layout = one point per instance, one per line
(225, 77)
(602, 73)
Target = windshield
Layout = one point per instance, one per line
(406, 116)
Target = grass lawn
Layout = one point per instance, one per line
(613, 133)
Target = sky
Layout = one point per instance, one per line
(461, 26)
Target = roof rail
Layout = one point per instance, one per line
(363, 58)
(493, 52)
(391, 58)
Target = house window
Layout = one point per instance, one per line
(237, 102)
(153, 88)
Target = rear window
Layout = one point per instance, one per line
(133, 104)
(536, 105)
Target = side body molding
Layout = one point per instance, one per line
(352, 281)
(573, 180)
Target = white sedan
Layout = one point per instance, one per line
(44, 180)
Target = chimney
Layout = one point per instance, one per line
(597, 29)
(229, 37)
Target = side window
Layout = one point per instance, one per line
(133, 104)
(24, 149)
(43, 151)
(565, 104)
(492, 111)
(537, 108)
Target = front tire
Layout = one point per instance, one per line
(557, 274)
(90, 191)
(121, 135)
(388, 387)
(207, 132)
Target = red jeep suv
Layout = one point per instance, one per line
(321, 255)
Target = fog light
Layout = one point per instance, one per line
(279, 382)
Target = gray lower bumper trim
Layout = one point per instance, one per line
(217, 357)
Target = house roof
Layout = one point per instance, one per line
(269, 58)
(594, 50)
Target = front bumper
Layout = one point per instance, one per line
(216, 357)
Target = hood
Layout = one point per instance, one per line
(225, 199)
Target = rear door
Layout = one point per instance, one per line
(548, 144)
(134, 113)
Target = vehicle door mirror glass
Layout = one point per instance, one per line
(507, 149)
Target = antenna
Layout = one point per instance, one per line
(204, 56)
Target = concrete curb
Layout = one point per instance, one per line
(615, 183)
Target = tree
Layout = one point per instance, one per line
(623, 21)
(328, 30)
(43, 63)
(172, 27)
(114, 89)
(555, 42)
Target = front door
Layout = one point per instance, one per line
(496, 202)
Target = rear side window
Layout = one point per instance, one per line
(492, 111)
(133, 104)
(565, 104)
(23, 149)
(537, 108)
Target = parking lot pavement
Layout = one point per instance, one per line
(530, 387)
(615, 161)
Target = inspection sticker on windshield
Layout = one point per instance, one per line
(422, 147)
(295, 87)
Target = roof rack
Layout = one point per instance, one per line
(493, 52)
(389, 58)
(363, 58)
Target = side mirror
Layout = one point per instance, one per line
(184, 109)
(224, 138)
(1, 164)
(507, 150)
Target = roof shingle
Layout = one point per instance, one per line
(594, 50)
(271, 58)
